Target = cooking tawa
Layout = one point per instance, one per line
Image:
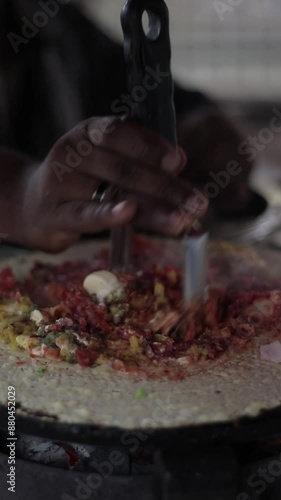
(71, 402)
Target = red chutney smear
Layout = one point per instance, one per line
(8, 285)
(147, 325)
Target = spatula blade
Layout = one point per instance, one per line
(195, 267)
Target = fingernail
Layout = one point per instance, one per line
(172, 161)
(122, 206)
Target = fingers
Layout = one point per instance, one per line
(125, 137)
(136, 142)
(126, 155)
(130, 175)
(137, 178)
(130, 157)
(168, 223)
(82, 217)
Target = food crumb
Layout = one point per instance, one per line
(40, 369)
(140, 394)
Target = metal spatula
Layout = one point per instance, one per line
(195, 267)
(150, 84)
(148, 59)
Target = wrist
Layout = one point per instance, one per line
(14, 174)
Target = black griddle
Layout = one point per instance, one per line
(245, 430)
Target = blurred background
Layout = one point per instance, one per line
(231, 50)
(228, 48)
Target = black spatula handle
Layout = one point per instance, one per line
(148, 59)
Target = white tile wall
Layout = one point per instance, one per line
(237, 57)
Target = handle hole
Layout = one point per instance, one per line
(151, 25)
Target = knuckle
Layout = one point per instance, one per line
(144, 143)
(123, 171)
(141, 149)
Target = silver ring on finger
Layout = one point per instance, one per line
(104, 193)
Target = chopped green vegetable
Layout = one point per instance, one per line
(140, 394)
(159, 289)
(26, 305)
(116, 310)
(50, 340)
(161, 338)
(25, 298)
(71, 358)
(40, 369)
(115, 296)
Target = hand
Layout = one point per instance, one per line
(57, 206)
(211, 142)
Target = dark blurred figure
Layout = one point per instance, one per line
(54, 76)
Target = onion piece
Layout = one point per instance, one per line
(271, 352)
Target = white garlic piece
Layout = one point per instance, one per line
(101, 284)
